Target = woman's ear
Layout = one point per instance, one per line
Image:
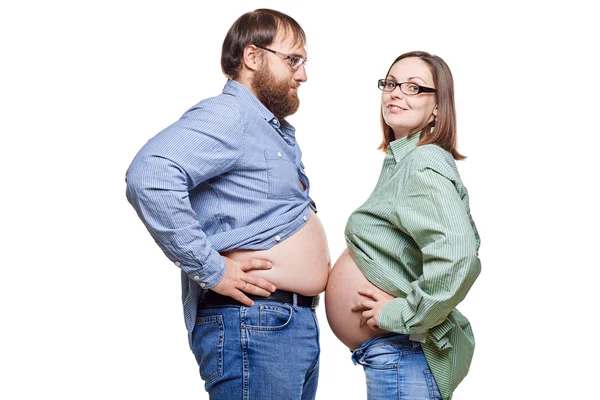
(435, 111)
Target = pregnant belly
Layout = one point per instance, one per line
(341, 294)
(301, 263)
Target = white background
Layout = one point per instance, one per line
(90, 308)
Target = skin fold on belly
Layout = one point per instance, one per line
(341, 294)
(301, 263)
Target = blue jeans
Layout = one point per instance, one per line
(267, 351)
(396, 368)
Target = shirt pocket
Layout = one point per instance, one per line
(282, 175)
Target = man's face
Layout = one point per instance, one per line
(275, 82)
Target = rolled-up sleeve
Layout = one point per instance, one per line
(206, 142)
(433, 212)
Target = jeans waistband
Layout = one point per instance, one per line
(388, 339)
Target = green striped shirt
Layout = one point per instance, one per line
(415, 239)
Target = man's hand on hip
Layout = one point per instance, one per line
(236, 281)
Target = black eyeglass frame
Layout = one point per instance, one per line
(286, 57)
(422, 89)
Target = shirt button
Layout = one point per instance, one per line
(177, 264)
(279, 154)
(278, 238)
(304, 218)
(275, 121)
(202, 284)
(196, 278)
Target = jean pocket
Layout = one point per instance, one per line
(434, 391)
(380, 357)
(208, 339)
(282, 175)
(271, 318)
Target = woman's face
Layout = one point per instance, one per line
(407, 114)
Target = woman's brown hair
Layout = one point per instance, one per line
(259, 27)
(444, 126)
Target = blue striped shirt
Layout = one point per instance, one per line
(225, 176)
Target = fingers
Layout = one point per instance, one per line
(242, 298)
(255, 264)
(363, 305)
(362, 322)
(368, 314)
(370, 318)
(370, 293)
(372, 323)
(358, 307)
(234, 290)
(367, 310)
(255, 290)
(264, 287)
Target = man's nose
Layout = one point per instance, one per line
(300, 74)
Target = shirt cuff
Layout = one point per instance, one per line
(210, 274)
(390, 317)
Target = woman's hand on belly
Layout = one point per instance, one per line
(370, 305)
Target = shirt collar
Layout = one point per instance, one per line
(400, 148)
(236, 89)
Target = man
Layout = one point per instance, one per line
(224, 194)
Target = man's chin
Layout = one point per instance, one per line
(293, 98)
(295, 107)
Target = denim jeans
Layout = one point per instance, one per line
(396, 368)
(267, 351)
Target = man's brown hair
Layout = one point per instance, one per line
(259, 27)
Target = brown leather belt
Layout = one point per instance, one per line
(214, 299)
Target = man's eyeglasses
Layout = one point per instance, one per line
(295, 62)
(408, 88)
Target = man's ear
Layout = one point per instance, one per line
(251, 58)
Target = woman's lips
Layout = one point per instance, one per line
(394, 108)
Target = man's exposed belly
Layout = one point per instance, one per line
(341, 295)
(300, 263)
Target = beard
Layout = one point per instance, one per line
(275, 94)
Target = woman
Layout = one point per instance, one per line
(412, 246)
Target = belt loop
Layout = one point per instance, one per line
(357, 356)
(295, 296)
(315, 302)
